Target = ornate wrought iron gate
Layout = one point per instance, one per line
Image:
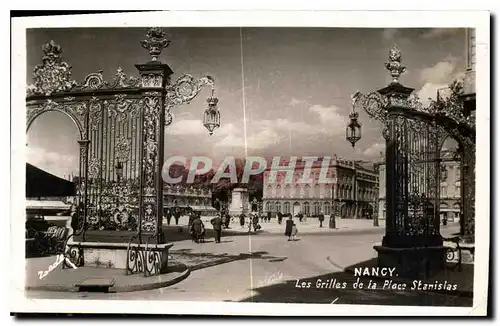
(414, 137)
(121, 127)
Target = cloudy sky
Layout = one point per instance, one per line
(293, 84)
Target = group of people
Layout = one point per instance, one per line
(175, 212)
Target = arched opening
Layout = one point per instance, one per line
(52, 145)
(296, 208)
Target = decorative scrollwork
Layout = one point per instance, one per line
(94, 167)
(94, 80)
(122, 149)
(53, 75)
(152, 80)
(135, 257)
(121, 80)
(375, 104)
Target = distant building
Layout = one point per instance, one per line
(450, 188)
(353, 191)
(183, 196)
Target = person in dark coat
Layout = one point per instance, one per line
(321, 219)
(242, 220)
(280, 218)
(197, 229)
(255, 222)
(177, 216)
(288, 228)
(217, 224)
(169, 216)
(228, 220)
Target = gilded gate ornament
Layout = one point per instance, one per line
(155, 42)
(53, 75)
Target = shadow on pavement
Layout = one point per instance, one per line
(174, 233)
(338, 288)
(197, 261)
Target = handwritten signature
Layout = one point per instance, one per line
(59, 259)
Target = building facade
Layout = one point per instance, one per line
(351, 190)
(183, 196)
(450, 188)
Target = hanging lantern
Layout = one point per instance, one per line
(211, 118)
(353, 129)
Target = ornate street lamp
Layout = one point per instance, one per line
(353, 129)
(211, 118)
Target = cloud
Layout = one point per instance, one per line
(375, 150)
(439, 73)
(186, 127)
(331, 119)
(269, 132)
(59, 164)
(437, 77)
(441, 32)
(296, 102)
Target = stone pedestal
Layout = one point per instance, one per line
(413, 263)
(239, 202)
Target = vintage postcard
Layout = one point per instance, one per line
(251, 163)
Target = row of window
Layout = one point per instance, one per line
(305, 209)
(305, 193)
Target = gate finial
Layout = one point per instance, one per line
(394, 64)
(155, 42)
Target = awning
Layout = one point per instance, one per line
(43, 184)
(47, 205)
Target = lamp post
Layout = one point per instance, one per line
(211, 117)
(353, 129)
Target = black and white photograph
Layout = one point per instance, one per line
(325, 165)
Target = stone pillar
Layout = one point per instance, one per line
(154, 77)
(413, 253)
(239, 202)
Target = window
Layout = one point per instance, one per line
(317, 208)
(286, 207)
(288, 191)
(278, 206)
(306, 191)
(297, 191)
(278, 191)
(306, 208)
(326, 208)
(316, 191)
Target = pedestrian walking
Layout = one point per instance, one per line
(198, 229)
(288, 228)
(301, 216)
(321, 219)
(280, 217)
(242, 220)
(294, 231)
(217, 225)
(177, 216)
(228, 219)
(256, 225)
(169, 216)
